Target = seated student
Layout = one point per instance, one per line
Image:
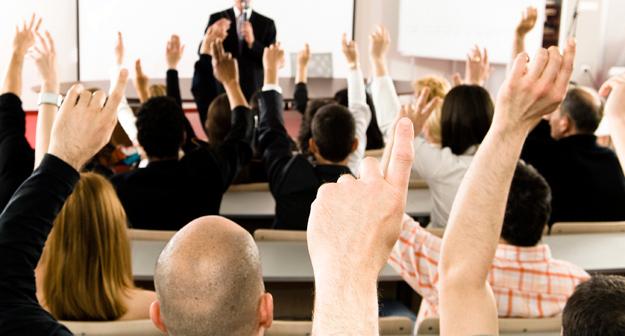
(301, 104)
(171, 192)
(16, 156)
(586, 179)
(546, 283)
(465, 118)
(293, 179)
(438, 87)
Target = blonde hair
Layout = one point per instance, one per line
(158, 90)
(439, 87)
(86, 261)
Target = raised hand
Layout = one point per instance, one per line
(25, 36)
(174, 52)
(273, 60)
(141, 82)
(248, 33)
(420, 111)
(218, 30)
(477, 67)
(85, 123)
(533, 90)
(614, 91)
(303, 57)
(44, 55)
(379, 42)
(225, 67)
(352, 228)
(350, 50)
(120, 50)
(528, 21)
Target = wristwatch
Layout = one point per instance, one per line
(50, 99)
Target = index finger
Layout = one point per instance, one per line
(110, 108)
(562, 81)
(402, 154)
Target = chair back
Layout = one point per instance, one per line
(279, 235)
(587, 227)
(507, 326)
(389, 326)
(320, 65)
(113, 328)
(150, 235)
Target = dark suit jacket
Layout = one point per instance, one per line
(250, 59)
(586, 180)
(293, 179)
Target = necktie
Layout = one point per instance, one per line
(240, 22)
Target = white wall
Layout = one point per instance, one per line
(59, 19)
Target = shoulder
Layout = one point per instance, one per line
(262, 18)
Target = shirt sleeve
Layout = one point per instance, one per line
(24, 228)
(357, 103)
(415, 257)
(386, 103)
(300, 97)
(204, 87)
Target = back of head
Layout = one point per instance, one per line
(86, 260)
(333, 129)
(208, 280)
(466, 116)
(439, 87)
(305, 131)
(218, 120)
(160, 127)
(584, 108)
(375, 139)
(597, 307)
(528, 208)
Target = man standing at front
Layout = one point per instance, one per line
(248, 33)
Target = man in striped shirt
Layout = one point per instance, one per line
(526, 280)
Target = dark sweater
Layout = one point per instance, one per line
(17, 158)
(293, 179)
(24, 228)
(586, 180)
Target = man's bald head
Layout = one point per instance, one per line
(208, 280)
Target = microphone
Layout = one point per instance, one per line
(246, 6)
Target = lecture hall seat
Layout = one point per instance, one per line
(587, 227)
(113, 328)
(150, 235)
(279, 235)
(389, 326)
(507, 326)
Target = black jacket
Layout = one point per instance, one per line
(293, 179)
(24, 228)
(166, 195)
(250, 59)
(17, 158)
(586, 180)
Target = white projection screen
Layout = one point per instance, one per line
(447, 29)
(147, 24)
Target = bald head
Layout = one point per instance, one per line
(584, 107)
(209, 281)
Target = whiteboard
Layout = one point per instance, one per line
(448, 29)
(147, 24)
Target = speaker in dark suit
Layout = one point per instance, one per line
(247, 50)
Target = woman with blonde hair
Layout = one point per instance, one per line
(439, 87)
(85, 272)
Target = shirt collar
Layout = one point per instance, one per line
(540, 252)
(237, 12)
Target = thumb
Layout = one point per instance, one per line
(402, 154)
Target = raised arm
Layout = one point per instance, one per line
(24, 39)
(361, 215)
(173, 53)
(527, 23)
(477, 67)
(357, 102)
(45, 59)
(125, 115)
(383, 92)
(467, 304)
(141, 83)
(27, 219)
(301, 80)
(614, 90)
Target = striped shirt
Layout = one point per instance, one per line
(527, 281)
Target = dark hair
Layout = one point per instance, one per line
(597, 307)
(333, 129)
(580, 106)
(528, 208)
(305, 131)
(375, 140)
(218, 120)
(160, 127)
(465, 117)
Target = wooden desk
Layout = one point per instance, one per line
(318, 88)
(261, 205)
(596, 253)
(281, 262)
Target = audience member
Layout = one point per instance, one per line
(16, 155)
(439, 87)
(219, 291)
(614, 90)
(170, 192)
(586, 179)
(337, 138)
(476, 68)
(465, 118)
(27, 219)
(526, 280)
